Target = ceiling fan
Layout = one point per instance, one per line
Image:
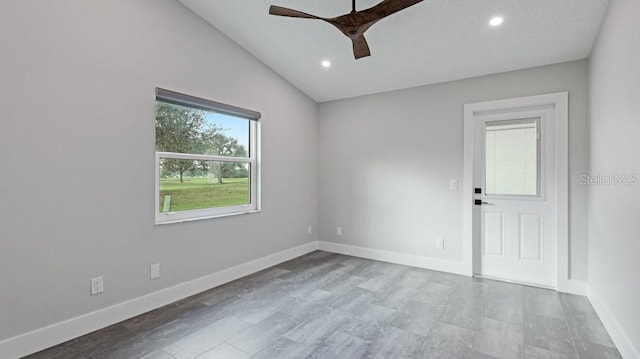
(355, 23)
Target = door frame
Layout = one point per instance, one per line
(559, 102)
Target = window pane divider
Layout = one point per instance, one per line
(189, 156)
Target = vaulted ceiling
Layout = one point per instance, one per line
(433, 41)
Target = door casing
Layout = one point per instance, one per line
(559, 102)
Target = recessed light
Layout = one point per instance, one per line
(496, 21)
(326, 63)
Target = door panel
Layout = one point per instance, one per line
(530, 237)
(493, 234)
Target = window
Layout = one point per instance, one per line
(512, 157)
(206, 158)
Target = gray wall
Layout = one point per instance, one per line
(77, 142)
(614, 210)
(386, 161)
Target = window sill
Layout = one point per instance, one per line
(198, 218)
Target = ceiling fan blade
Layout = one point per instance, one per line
(283, 11)
(388, 7)
(360, 47)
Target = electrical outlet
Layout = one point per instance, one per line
(309, 232)
(440, 243)
(97, 285)
(154, 271)
(338, 231)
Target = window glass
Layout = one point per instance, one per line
(206, 184)
(181, 129)
(512, 161)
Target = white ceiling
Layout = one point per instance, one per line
(433, 41)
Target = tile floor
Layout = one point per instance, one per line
(325, 305)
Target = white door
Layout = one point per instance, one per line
(515, 196)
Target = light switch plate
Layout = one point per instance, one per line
(453, 184)
(154, 271)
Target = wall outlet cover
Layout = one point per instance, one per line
(97, 285)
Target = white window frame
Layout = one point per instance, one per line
(253, 160)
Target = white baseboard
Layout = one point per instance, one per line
(572, 286)
(49, 336)
(395, 257)
(620, 339)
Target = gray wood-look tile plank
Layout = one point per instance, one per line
(504, 309)
(285, 349)
(362, 329)
(379, 283)
(476, 355)
(343, 284)
(205, 339)
(316, 330)
(371, 313)
(395, 343)
(395, 296)
(432, 293)
(587, 327)
(62, 351)
(312, 306)
(311, 273)
(354, 298)
(159, 354)
(340, 345)
(367, 270)
(504, 289)
(224, 351)
(548, 333)
(137, 347)
(89, 344)
(499, 339)
(596, 351)
(463, 311)
(245, 286)
(393, 268)
(531, 352)
(449, 279)
(257, 337)
(446, 341)
(575, 303)
(546, 305)
(175, 311)
(413, 279)
(310, 261)
(416, 317)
